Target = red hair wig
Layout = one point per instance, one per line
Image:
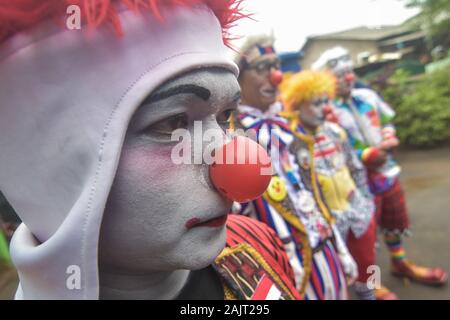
(20, 15)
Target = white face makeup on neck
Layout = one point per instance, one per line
(148, 221)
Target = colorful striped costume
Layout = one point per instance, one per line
(343, 181)
(294, 208)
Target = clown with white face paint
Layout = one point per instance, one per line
(106, 212)
(342, 177)
(338, 59)
(367, 120)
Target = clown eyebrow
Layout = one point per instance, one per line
(199, 91)
(236, 97)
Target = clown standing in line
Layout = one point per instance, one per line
(292, 205)
(342, 177)
(86, 124)
(367, 120)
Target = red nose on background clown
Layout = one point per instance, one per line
(276, 77)
(242, 170)
(329, 114)
(350, 77)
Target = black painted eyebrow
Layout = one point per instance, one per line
(199, 91)
(237, 97)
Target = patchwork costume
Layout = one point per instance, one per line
(342, 177)
(343, 182)
(294, 208)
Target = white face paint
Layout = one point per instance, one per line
(312, 114)
(340, 63)
(345, 82)
(151, 220)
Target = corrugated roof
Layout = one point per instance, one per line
(363, 33)
(404, 38)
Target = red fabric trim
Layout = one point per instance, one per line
(263, 289)
(270, 242)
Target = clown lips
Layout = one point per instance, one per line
(241, 172)
(268, 92)
(212, 223)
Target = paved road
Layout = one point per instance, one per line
(426, 179)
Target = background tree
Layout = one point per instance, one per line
(434, 18)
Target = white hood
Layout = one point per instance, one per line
(66, 100)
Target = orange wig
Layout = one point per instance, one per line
(305, 86)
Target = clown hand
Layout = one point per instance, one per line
(389, 144)
(349, 265)
(390, 139)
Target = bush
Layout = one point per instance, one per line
(422, 107)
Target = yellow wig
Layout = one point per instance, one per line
(305, 86)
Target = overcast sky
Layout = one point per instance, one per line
(293, 20)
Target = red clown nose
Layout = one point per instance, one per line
(350, 77)
(241, 170)
(327, 110)
(276, 76)
(329, 114)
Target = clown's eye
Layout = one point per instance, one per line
(169, 125)
(332, 63)
(265, 66)
(226, 117)
(320, 102)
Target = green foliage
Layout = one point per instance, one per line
(398, 87)
(422, 107)
(440, 64)
(412, 66)
(434, 17)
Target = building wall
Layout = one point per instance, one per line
(317, 46)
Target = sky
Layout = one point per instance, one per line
(292, 21)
